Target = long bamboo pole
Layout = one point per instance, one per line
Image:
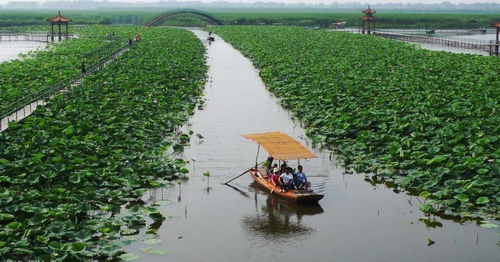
(246, 171)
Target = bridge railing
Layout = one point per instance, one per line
(24, 36)
(9, 112)
(485, 46)
(184, 11)
(436, 32)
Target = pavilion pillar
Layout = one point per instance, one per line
(497, 47)
(59, 31)
(52, 32)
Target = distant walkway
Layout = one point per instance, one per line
(26, 106)
(27, 36)
(470, 44)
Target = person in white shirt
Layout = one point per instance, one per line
(286, 179)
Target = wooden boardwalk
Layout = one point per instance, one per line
(29, 36)
(478, 45)
(32, 102)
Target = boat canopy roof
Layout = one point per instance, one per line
(281, 146)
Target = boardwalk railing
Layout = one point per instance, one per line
(27, 36)
(24, 106)
(437, 32)
(479, 45)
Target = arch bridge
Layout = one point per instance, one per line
(160, 18)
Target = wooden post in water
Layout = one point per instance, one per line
(497, 42)
(59, 34)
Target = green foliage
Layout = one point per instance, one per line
(61, 61)
(127, 257)
(430, 242)
(39, 17)
(68, 170)
(385, 19)
(427, 119)
(152, 241)
(487, 224)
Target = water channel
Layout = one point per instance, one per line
(358, 220)
(10, 50)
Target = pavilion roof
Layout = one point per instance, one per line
(497, 24)
(369, 11)
(59, 18)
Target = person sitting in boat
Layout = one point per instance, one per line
(295, 181)
(271, 169)
(286, 180)
(274, 176)
(283, 168)
(301, 178)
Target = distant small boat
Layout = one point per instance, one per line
(280, 146)
(210, 38)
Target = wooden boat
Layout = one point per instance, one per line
(280, 146)
(299, 196)
(282, 205)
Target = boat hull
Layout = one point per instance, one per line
(298, 196)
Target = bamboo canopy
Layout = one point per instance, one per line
(281, 146)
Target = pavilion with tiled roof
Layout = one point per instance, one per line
(368, 21)
(59, 20)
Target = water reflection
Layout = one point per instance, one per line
(275, 218)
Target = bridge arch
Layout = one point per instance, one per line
(184, 11)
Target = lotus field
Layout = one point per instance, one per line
(67, 171)
(39, 70)
(428, 120)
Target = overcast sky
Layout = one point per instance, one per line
(303, 1)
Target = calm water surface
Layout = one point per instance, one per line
(10, 50)
(482, 37)
(468, 37)
(356, 221)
